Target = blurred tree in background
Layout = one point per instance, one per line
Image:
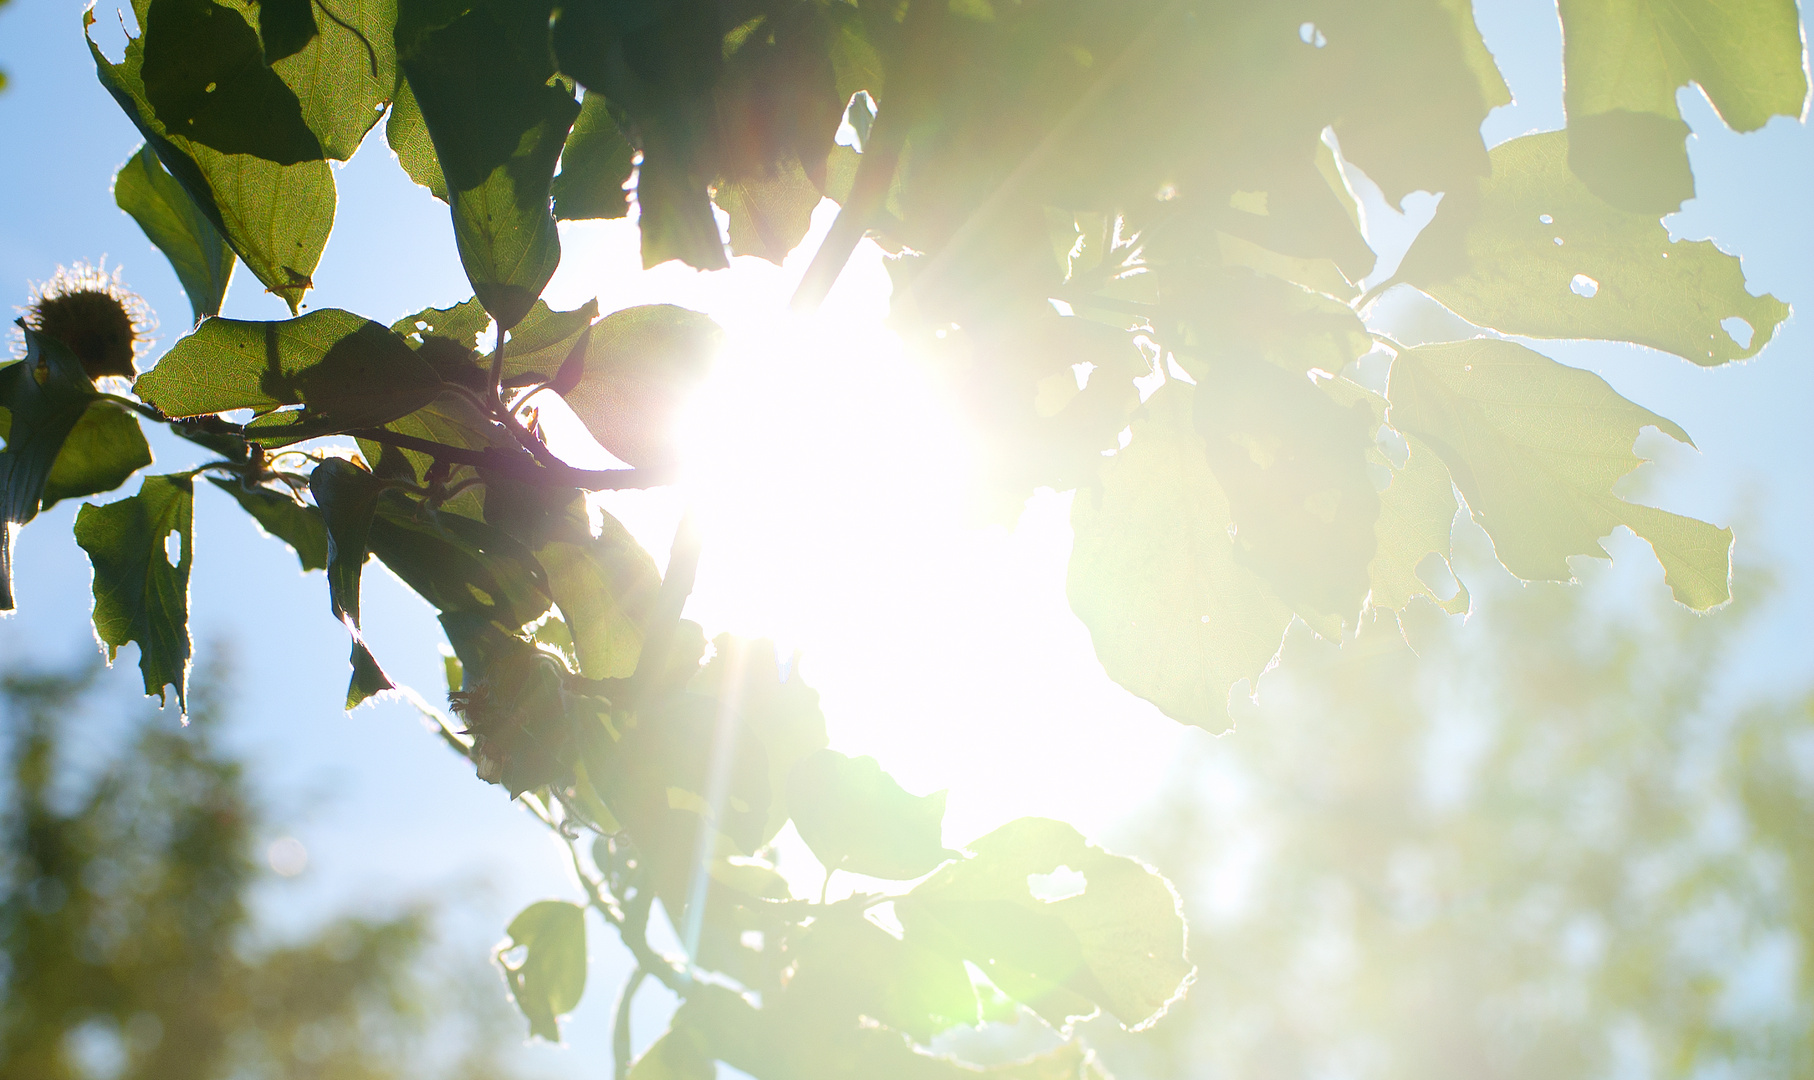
(1550, 845)
(127, 947)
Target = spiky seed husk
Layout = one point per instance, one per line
(95, 316)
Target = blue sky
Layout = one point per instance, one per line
(387, 813)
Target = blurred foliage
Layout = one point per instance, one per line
(127, 947)
(1550, 845)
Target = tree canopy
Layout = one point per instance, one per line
(1129, 234)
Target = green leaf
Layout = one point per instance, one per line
(855, 817)
(407, 134)
(275, 217)
(347, 372)
(140, 594)
(1175, 617)
(605, 586)
(458, 564)
(552, 975)
(640, 364)
(206, 80)
(1536, 447)
(172, 221)
(1416, 515)
(1102, 930)
(40, 416)
(483, 82)
(348, 500)
(99, 454)
(343, 72)
(677, 1055)
(1292, 463)
(539, 345)
(460, 324)
(595, 165)
(846, 966)
(279, 514)
(1521, 256)
(1624, 63)
(771, 213)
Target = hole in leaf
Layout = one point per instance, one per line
(1310, 35)
(1394, 446)
(1582, 285)
(173, 548)
(1380, 475)
(751, 939)
(1738, 330)
(1558, 241)
(1546, 219)
(1433, 570)
(1061, 884)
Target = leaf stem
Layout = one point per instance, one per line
(620, 1030)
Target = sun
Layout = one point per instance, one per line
(831, 481)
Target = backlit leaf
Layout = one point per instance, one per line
(1057, 923)
(348, 372)
(1624, 63)
(640, 364)
(855, 817)
(595, 165)
(275, 217)
(407, 135)
(141, 588)
(677, 1055)
(344, 72)
(605, 586)
(776, 706)
(206, 80)
(104, 448)
(1534, 252)
(170, 218)
(482, 81)
(769, 213)
(1175, 617)
(552, 975)
(1535, 447)
(848, 967)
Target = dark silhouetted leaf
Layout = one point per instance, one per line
(552, 975)
(855, 817)
(282, 516)
(1535, 447)
(141, 592)
(40, 417)
(170, 218)
(348, 500)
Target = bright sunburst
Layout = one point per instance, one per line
(830, 482)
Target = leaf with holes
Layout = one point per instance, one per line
(1624, 63)
(1536, 447)
(1533, 252)
(141, 589)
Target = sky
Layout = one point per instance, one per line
(943, 647)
